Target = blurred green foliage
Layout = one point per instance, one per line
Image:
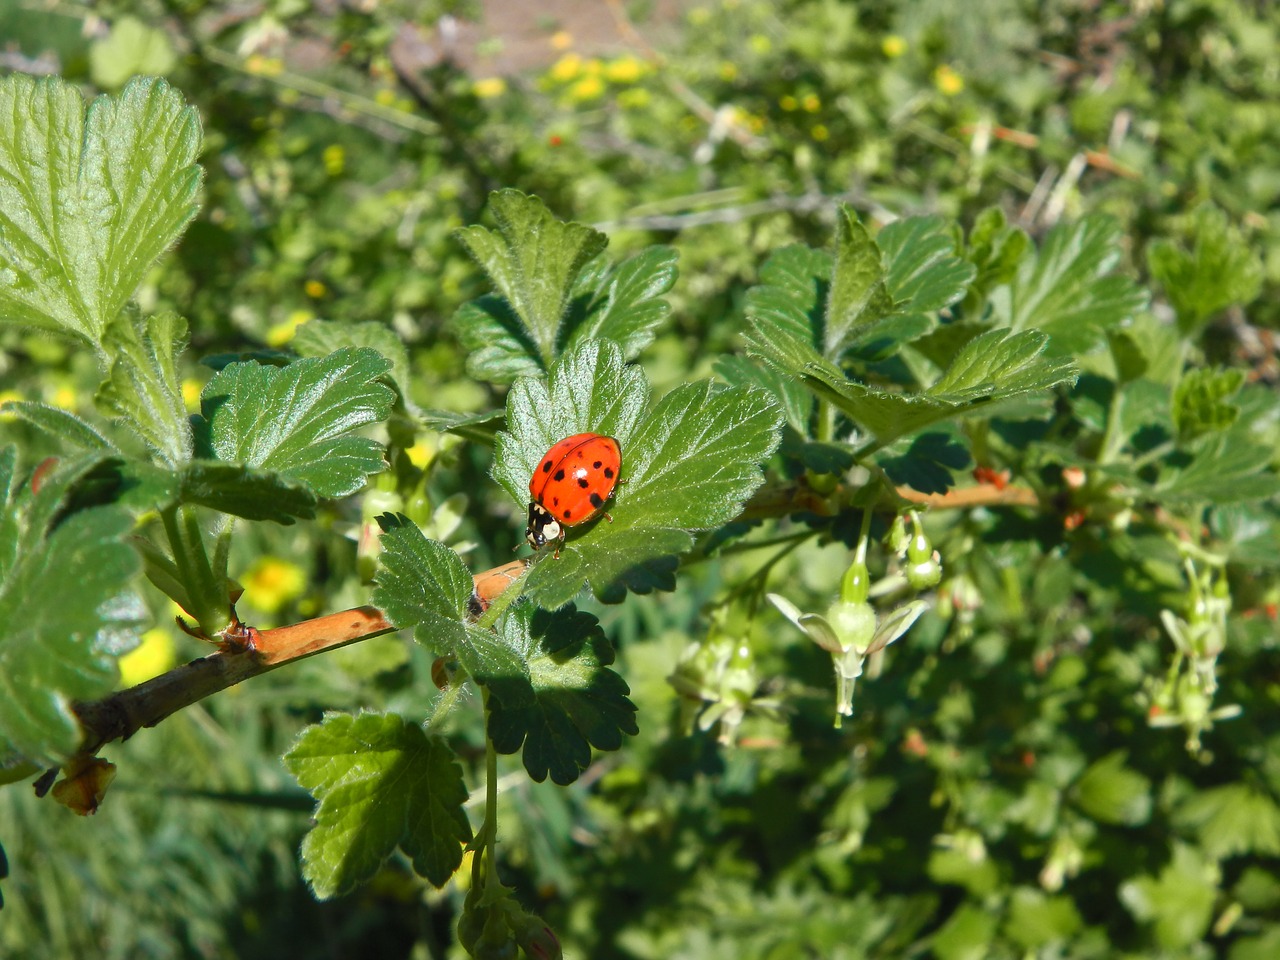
(1015, 779)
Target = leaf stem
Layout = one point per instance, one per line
(210, 604)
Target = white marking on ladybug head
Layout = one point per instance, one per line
(542, 526)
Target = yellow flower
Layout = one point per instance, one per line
(566, 68)
(624, 70)
(728, 71)
(893, 46)
(264, 66)
(754, 122)
(283, 332)
(820, 132)
(65, 397)
(561, 40)
(271, 583)
(760, 43)
(191, 394)
(489, 87)
(152, 657)
(386, 97)
(634, 99)
(420, 453)
(948, 82)
(315, 289)
(334, 159)
(788, 102)
(588, 88)
(811, 103)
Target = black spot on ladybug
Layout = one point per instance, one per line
(546, 466)
(583, 483)
(608, 473)
(559, 476)
(596, 501)
(596, 465)
(568, 514)
(555, 501)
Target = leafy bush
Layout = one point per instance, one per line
(935, 613)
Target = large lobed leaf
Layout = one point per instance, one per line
(66, 605)
(299, 420)
(144, 388)
(688, 466)
(89, 199)
(1068, 291)
(570, 700)
(381, 783)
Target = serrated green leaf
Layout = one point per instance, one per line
(926, 465)
(966, 935)
(1229, 467)
(744, 372)
(298, 420)
(573, 703)
(1218, 271)
(858, 297)
(1199, 402)
(1111, 792)
(319, 338)
(688, 466)
(130, 49)
(244, 492)
(995, 249)
(1067, 289)
(1179, 902)
(478, 427)
(421, 583)
(784, 311)
(1232, 820)
(65, 600)
(144, 389)
(625, 303)
(380, 783)
(89, 200)
(923, 273)
(533, 260)
(994, 366)
(59, 424)
(498, 346)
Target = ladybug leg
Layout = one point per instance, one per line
(609, 518)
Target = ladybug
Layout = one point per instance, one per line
(570, 486)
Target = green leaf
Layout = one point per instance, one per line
(688, 466)
(1229, 467)
(1067, 291)
(319, 338)
(244, 492)
(858, 297)
(1220, 270)
(924, 275)
(996, 250)
(89, 200)
(130, 49)
(144, 388)
(624, 303)
(993, 366)
(533, 260)
(66, 606)
(926, 465)
(1199, 402)
(1035, 919)
(298, 420)
(573, 701)
(380, 783)
(1232, 820)
(421, 583)
(1180, 901)
(1110, 792)
(59, 424)
(795, 399)
(498, 346)
(784, 311)
(966, 935)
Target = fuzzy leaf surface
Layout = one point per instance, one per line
(422, 584)
(299, 420)
(380, 783)
(1219, 270)
(572, 703)
(533, 260)
(319, 338)
(144, 388)
(624, 303)
(923, 272)
(65, 598)
(90, 197)
(858, 297)
(61, 425)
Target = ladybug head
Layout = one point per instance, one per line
(542, 527)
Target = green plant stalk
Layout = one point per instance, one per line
(206, 592)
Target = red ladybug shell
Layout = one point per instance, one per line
(571, 484)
